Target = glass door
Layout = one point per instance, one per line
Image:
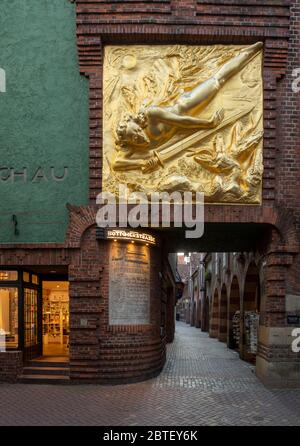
(55, 318)
(32, 342)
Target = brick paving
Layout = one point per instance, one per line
(203, 383)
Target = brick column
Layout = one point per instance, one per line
(87, 290)
(214, 318)
(276, 363)
(222, 335)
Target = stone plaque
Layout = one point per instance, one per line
(129, 284)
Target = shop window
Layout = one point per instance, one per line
(8, 275)
(9, 317)
(35, 279)
(26, 277)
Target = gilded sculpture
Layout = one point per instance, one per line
(184, 118)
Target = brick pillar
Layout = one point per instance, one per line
(234, 305)
(88, 286)
(276, 364)
(214, 318)
(222, 334)
(205, 316)
(250, 302)
(170, 321)
(198, 312)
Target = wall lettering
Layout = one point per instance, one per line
(39, 175)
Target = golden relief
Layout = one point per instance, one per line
(184, 118)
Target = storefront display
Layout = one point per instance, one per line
(55, 317)
(20, 306)
(9, 317)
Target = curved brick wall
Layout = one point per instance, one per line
(100, 351)
(131, 359)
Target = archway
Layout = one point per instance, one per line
(250, 314)
(214, 319)
(222, 336)
(234, 315)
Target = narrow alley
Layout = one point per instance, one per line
(202, 383)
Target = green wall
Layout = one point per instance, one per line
(43, 119)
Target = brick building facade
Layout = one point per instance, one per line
(231, 286)
(99, 352)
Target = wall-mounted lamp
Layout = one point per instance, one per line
(15, 223)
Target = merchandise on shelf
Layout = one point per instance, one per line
(55, 319)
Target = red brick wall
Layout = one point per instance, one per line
(206, 22)
(100, 351)
(250, 278)
(11, 365)
(288, 165)
(183, 22)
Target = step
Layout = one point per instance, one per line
(29, 370)
(47, 364)
(44, 379)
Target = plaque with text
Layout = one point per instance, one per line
(129, 284)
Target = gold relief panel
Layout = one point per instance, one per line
(184, 118)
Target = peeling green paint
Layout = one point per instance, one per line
(43, 120)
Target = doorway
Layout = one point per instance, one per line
(55, 318)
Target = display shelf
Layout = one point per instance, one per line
(55, 319)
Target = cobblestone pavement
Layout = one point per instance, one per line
(203, 383)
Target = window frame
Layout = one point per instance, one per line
(20, 285)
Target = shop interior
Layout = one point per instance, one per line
(55, 318)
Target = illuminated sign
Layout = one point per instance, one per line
(123, 234)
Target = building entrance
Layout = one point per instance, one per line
(55, 318)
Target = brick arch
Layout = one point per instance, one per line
(283, 221)
(81, 218)
(286, 224)
(251, 298)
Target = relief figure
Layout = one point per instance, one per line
(138, 134)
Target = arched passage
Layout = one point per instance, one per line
(214, 319)
(222, 336)
(250, 313)
(234, 315)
